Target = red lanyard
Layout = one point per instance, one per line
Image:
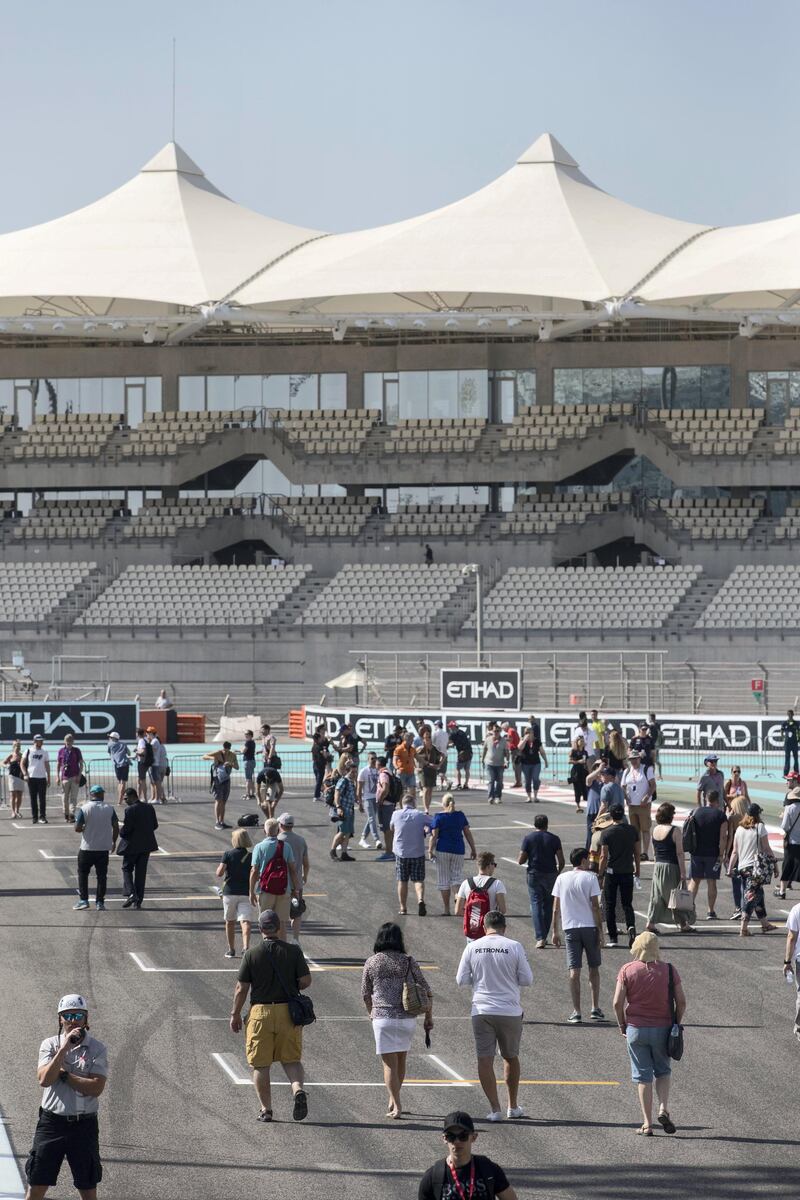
(457, 1181)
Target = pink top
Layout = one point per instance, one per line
(647, 993)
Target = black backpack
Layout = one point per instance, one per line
(395, 792)
(483, 1171)
(247, 820)
(690, 834)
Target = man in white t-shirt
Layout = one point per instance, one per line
(496, 889)
(576, 910)
(791, 962)
(638, 785)
(36, 770)
(584, 729)
(495, 967)
(441, 740)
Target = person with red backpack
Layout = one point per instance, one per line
(480, 893)
(274, 878)
(387, 797)
(496, 968)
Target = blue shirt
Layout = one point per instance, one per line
(265, 850)
(611, 793)
(449, 828)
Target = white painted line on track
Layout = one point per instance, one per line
(11, 1185)
(445, 1068)
(513, 861)
(57, 857)
(144, 964)
(231, 1068)
(524, 824)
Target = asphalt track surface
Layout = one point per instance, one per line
(178, 1116)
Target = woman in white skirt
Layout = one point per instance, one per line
(385, 972)
(449, 830)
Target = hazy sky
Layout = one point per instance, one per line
(339, 114)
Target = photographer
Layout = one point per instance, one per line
(72, 1072)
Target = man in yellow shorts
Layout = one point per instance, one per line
(275, 971)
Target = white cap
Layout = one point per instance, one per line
(114, 736)
(286, 819)
(67, 1003)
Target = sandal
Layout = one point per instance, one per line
(300, 1110)
(265, 1115)
(645, 1130)
(402, 912)
(665, 1121)
(768, 928)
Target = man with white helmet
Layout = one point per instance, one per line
(72, 1073)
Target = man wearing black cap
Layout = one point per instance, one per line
(464, 1175)
(712, 780)
(619, 865)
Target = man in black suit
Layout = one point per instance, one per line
(137, 840)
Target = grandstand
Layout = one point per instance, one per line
(227, 429)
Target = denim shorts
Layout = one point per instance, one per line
(249, 768)
(409, 780)
(647, 1048)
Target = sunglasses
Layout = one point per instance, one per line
(73, 1016)
(450, 1136)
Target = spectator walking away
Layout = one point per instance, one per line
(790, 824)
(494, 757)
(249, 764)
(163, 701)
(753, 858)
(790, 732)
(366, 795)
(496, 969)
(619, 866)
(791, 960)
(387, 795)
(120, 755)
(657, 735)
(69, 770)
(345, 800)
(405, 762)
(705, 839)
(144, 761)
(234, 867)
(712, 779)
(441, 740)
(36, 768)
(272, 973)
(645, 1015)
(428, 555)
(578, 770)
(158, 771)
(98, 826)
(669, 874)
(531, 755)
(390, 744)
(479, 894)
(72, 1074)
(409, 827)
(321, 758)
(13, 765)
(576, 910)
(638, 787)
(449, 829)
(511, 734)
(385, 974)
(462, 744)
(299, 847)
(137, 841)
(223, 762)
(428, 761)
(463, 1174)
(274, 876)
(737, 801)
(543, 855)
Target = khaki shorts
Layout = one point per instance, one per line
(279, 904)
(640, 817)
(238, 908)
(493, 1032)
(271, 1037)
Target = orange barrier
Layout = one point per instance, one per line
(297, 723)
(157, 718)
(191, 727)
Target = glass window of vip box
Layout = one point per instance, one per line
(289, 393)
(777, 392)
(25, 401)
(654, 387)
(426, 395)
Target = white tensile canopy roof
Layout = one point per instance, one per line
(167, 238)
(541, 237)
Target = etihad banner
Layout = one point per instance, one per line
(89, 721)
(479, 688)
(680, 731)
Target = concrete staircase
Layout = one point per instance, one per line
(694, 603)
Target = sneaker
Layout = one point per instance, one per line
(363, 843)
(540, 945)
(514, 1114)
(597, 1014)
(378, 846)
(129, 901)
(421, 909)
(224, 826)
(218, 825)
(334, 855)
(100, 905)
(385, 858)
(230, 954)
(611, 944)
(528, 801)
(711, 916)
(736, 915)
(45, 821)
(631, 937)
(494, 1116)
(35, 821)
(574, 1018)
(80, 904)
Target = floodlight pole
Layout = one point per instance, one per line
(478, 616)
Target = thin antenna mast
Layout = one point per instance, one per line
(173, 89)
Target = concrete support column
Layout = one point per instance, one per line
(739, 366)
(355, 389)
(169, 391)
